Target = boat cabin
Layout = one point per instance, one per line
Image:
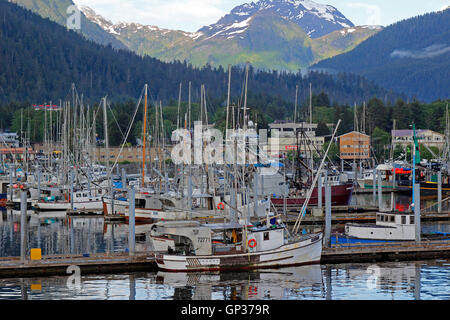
(193, 238)
(394, 219)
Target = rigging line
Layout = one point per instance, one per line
(128, 132)
(109, 107)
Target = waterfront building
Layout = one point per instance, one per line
(426, 137)
(354, 146)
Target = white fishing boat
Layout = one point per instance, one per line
(389, 226)
(384, 170)
(82, 201)
(192, 246)
(148, 207)
(151, 207)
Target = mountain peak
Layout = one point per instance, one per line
(314, 18)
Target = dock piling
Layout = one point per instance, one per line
(23, 227)
(319, 196)
(124, 179)
(416, 191)
(439, 181)
(11, 184)
(380, 193)
(374, 187)
(39, 181)
(327, 216)
(131, 221)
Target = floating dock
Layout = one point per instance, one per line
(401, 251)
(88, 264)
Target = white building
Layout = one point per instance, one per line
(293, 136)
(426, 137)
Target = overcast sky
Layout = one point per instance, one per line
(190, 15)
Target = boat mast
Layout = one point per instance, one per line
(144, 134)
(105, 128)
(310, 105)
(226, 131)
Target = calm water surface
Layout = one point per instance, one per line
(383, 281)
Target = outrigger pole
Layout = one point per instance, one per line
(310, 191)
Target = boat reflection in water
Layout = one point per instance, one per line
(255, 285)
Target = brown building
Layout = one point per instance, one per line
(354, 145)
(129, 154)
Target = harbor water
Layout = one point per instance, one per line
(421, 280)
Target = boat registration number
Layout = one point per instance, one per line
(209, 262)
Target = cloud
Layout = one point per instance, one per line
(428, 52)
(187, 15)
(373, 12)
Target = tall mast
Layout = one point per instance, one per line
(105, 128)
(228, 97)
(245, 98)
(179, 106)
(310, 103)
(295, 107)
(144, 137)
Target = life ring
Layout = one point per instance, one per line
(252, 243)
(221, 206)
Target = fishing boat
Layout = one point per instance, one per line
(152, 207)
(82, 200)
(340, 196)
(384, 170)
(426, 187)
(393, 226)
(192, 246)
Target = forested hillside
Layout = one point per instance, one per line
(411, 56)
(39, 61)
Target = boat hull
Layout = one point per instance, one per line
(368, 184)
(61, 206)
(340, 196)
(426, 188)
(121, 207)
(303, 252)
(3, 200)
(376, 232)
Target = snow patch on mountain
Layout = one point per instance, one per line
(314, 18)
(117, 29)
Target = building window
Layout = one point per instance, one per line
(411, 219)
(403, 219)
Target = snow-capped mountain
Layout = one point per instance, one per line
(120, 27)
(267, 33)
(315, 19)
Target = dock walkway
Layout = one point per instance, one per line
(399, 251)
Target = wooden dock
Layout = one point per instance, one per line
(145, 261)
(88, 264)
(369, 217)
(400, 251)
